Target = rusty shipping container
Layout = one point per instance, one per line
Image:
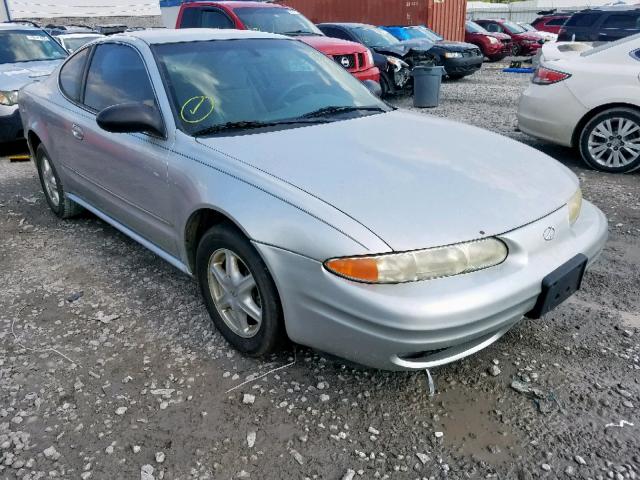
(446, 17)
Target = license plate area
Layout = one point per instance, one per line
(559, 285)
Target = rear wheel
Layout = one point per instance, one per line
(610, 141)
(239, 292)
(52, 186)
(384, 85)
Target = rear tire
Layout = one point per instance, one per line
(239, 292)
(53, 188)
(610, 141)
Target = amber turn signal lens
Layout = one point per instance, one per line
(363, 269)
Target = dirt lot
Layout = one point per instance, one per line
(110, 367)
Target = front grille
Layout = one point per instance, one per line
(347, 61)
(506, 41)
(361, 60)
(471, 53)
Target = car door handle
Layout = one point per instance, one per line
(77, 132)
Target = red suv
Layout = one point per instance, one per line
(494, 46)
(525, 43)
(272, 18)
(551, 23)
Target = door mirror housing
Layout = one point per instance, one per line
(374, 87)
(131, 118)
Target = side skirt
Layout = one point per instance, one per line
(131, 234)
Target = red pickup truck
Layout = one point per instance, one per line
(274, 18)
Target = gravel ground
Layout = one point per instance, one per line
(110, 367)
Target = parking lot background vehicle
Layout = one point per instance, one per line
(395, 69)
(547, 36)
(279, 221)
(274, 18)
(578, 100)
(525, 43)
(604, 24)
(27, 54)
(494, 46)
(459, 59)
(550, 23)
(73, 41)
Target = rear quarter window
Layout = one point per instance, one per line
(622, 20)
(556, 21)
(71, 75)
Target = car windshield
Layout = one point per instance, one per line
(513, 27)
(473, 27)
(276, 20)
(375, 37)
(607, 46)
(235, 84)
(74, 43)
(422, 33)
(28, 46)
(527, 27)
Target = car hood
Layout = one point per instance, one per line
(534, 37)
(417, 181)
(403, 48)
(455, 46)
(14, 76)
(331, 46)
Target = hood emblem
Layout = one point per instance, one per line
(549, 234)
(345, 62)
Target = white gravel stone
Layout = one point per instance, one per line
(248, 399)
(121, 410)
(160, 456)
(51, 453)
(146, 472)
(251, 439)
(349, 475)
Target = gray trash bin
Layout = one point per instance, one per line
(426, 86)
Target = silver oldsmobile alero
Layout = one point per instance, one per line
(306, 207)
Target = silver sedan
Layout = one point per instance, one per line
(307, 208)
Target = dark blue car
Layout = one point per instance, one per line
(459, 59)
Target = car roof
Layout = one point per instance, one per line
(348, 24)
(18, 26)
(611, 8)
(239, 4)
(183, 35)
(80, 35)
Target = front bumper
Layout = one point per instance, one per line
(424, 324)
(10, 124)
(527, 48)
(462, 66)
(370, 74)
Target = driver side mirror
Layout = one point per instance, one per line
(131, 118)
(374, 87)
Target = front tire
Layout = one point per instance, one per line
(53, 188)
(610, 141)
(239, 292)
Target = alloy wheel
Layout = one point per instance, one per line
(235, 293)
(615, 142)
(50, 182)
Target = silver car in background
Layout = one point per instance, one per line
(306, 207)
(27, 54)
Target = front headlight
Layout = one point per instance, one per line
(424, 264)
(493, 40)
(9, 98)
(575, 205)
(452, 54)
(397, 63)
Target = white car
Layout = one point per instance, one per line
(589, 100)
(547, 36)
(73, 41)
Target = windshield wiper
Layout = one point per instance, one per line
(340, 109)
(298, 32)
(249, 125)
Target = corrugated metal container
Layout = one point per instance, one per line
(446, 17)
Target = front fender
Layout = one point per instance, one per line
(267, 210)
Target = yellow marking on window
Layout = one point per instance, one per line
(197, 109)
